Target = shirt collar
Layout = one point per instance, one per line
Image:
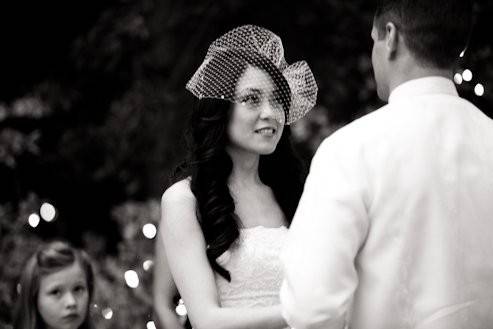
(423, 86)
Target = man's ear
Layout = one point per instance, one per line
(391, 39)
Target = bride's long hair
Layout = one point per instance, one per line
(209, 166)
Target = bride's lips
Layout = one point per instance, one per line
(266, 131)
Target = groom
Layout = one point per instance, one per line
(395, 225)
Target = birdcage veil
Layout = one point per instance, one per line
(228, 56)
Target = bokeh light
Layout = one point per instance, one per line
(149, 230)
(47, 212)
(467, 75)
(479, 89)
(150, 325)
(33, 220)
(132, 279)
(107, 313)
(181, 310)
(147, 265)
(458, 78)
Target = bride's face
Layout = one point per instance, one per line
(257, 119)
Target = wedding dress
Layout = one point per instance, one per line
(255, 268)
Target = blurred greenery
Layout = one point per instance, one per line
(93, 107)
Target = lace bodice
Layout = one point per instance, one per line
(254, 265)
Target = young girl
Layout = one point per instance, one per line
(225, 218)
(56, 288)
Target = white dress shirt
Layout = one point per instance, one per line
(395, 226)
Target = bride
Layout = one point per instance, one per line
(225, 218)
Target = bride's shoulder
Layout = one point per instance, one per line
(179, 191)
(178, 209)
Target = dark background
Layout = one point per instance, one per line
(93, 105)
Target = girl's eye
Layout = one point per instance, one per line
(80, 289)
(55, 292)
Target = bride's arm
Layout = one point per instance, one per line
(164, 290)
(185, 249)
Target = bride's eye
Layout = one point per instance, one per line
(250, 99)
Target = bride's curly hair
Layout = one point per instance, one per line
(209, 167)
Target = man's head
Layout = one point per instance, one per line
(433, 33)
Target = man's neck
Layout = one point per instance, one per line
(412, 72)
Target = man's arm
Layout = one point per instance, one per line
(329, 227)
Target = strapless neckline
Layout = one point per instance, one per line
(262, 227)
(255, 268)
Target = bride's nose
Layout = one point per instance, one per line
(270, 112)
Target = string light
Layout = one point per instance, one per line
(458, 78)
(131, 278)
(147, 265)
(150, 325)
(467, 75)
(181, 310)
(33, 220)
(47, 212)
(107, 313)
(149, 231)
(479, 89)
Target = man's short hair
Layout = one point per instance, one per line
(435, 31)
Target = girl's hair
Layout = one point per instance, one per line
(209, 166)
(50, 258)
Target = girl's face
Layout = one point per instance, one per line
(257, 120)
(63, 298)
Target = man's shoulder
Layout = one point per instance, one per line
(363, 126)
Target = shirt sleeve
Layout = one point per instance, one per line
(328, 229)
